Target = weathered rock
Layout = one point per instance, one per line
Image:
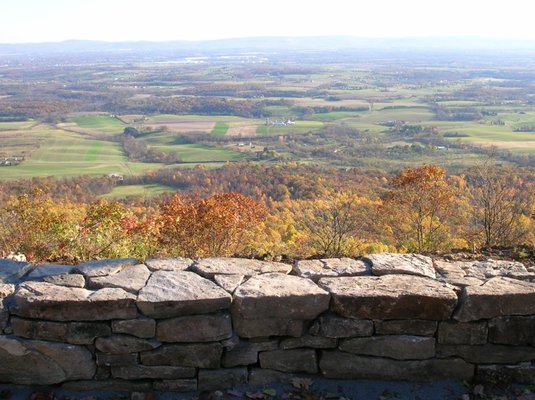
(390, 297)
(72, 332)
(315, 342)
(339, 365)
(6, 289)
(497, 297)
(487, 354)
(69, 280)
(11, 271)
(212, 379)
(399, 347)
(104, 267)
(262, 377)
(115, 385)
(123, 344)
(334, 326)
(43, 300)
(152, 372)
(176, 385)
(103, 373)
(297, 360)
(132, 278)
(407, 264)
(330, 267)
(116, 360)
(259, 328)
(506, 374)
(195, 328)
(33, 362)
(229, 282)
(209, 267)
(203, 355)
(518, 331)
(417, 327)
(491, 268)
(43, 270)
(473, 333)
(168, 264)
(276, 295)
(175, 293)
(246, 352)
(4, 316)
(142, 327)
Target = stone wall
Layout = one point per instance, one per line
(179, 325)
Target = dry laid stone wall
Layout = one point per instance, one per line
(183, 325)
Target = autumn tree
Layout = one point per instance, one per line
(419, 203)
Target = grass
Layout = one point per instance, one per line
(335, 115)
(147, 191)
(220, 128)
(99, 123)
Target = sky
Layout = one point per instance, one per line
(165, 20)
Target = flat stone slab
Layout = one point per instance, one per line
(168, 264)
(43, 270)
(175, 293)
(152, 372)
(390, 297)
(417, 327)
(246, 352)
(11, 271)
(491, 268)
(104, 267)
(195, 328)
(495, 298)
(331, 267)
(229, 282)
(124, 344)
(209, 267)
(517, 331)
(472, 333)
(34, 362)
(296, 360)
(277, 295)
(6, 289)
(70, 280)
(407, 264)
(131, 278)
(487, 353)
(213, 379)
(44, 300)
(140, 327)
(334, 326)
(198, 355)
(263, 327)
(398, 347)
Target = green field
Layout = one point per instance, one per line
(299, 127)
(147, 191)
(99, 123)
(220, 129)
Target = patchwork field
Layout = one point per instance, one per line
(146, 191)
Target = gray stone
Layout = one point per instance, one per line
(390, 297)
(6, 289)
(259, 328)
(176, 385)
(229, 282)
(417, 327)
(452, 273)
(276, 295)
(4, 316)
(491, 268)
(334, 326)
(11, 271)
(451, 332)
(209, 267)
(33, 362)
(408, 264)
(104, 267)
(152, 372)
(103, 373)
(176, 293)
(114, 385)
(72, 332)
(330, 267)
(399, 347)
(506, 374)
(487, 354)
(43, 300)
(116, 360)
(44, 270)
(69, 280)
(315, 342)
(263, 377)
(123, 344)
(195, 328)
(497, 297)
(518, 331)
(339, 365)
(168, 264)
(132, 278)
(296, 360)
(202, 355)
(141, 327)
(246, 352)
(213, 379)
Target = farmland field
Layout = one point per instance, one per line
(149, 190)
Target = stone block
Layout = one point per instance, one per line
(390, 297)
(131, 278)
(229, 282)
(399, 347)
(310, 341)
(123, 344)
(168, 264)
(104, 267)
(260, 328)
(140, 327)
(213, 379)
(417, 327)
(405, 264)
(176, 293)
(69, 280)
(111, 385)
(487, 354)
(473, 333)
(135, 372)
(331, 267)
(296, 360)
(195, 328)
(263, 377)
(116, 360)
(176, 385)
(11, 271)
(209, 267)
(518, 331)
(334, 326)
(203, 355)
(246, 352)
(523, 373)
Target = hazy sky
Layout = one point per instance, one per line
(115, 20)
